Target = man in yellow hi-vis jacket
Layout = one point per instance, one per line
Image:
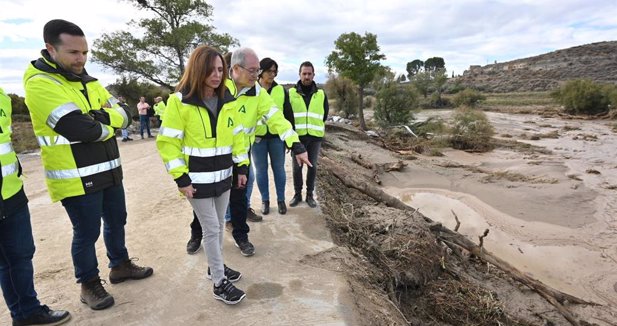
(74, 119)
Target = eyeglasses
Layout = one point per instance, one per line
(252, 71)
(272, 72)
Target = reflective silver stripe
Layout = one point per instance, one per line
(46, 77)
(287, 134)
(210, 177)
(171, 132)
(54, 140)
(6, 148)
(315, 115)
(10, 169)
(270, 113)
(300, 114)
(112, 101)
(240, 158)
(104, 132)
(83, 172)
(250, 130)
(206, 152)
(60, 112)
(125, 117)
(238, 129)
(308, 126)
(175, 164)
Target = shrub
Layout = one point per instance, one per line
(471, 131)
(468, 97)
(394, 103)
(345, 93)
(583, 96)
(437, 101)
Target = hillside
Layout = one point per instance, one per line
(595, 61)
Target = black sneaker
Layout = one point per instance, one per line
(193, 245)
(265, 207)
(296, 200)
(45, 317)
(282, 207)
(246, 248)
(230, 274)
(124, 140)
(310, 201)
(228, 293)
(252, 216)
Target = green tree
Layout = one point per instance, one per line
(161, 45)
(414, 67)
(583, 96)
(18, 104)
(432, 65)
(357, 58)
(422, 81)
(344, 92)
(394, 103)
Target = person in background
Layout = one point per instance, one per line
(159, 109)
(125, 131)
(310, 111)
(16, 240)
(144, 119)
(268, 144)
(202, 145)
(74, 119)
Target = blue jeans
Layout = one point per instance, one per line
(16, 271)
(125, 133)
(144, 123)
(85, 212)
(275, 148)
(312, 148)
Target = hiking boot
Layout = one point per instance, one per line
(251, 216)
(310, 201)
(295, 200)
(128, 271)
(150, 136)
(129, 139)
(246, 248)
(230, 274)
(193, 245)
(45, 317)
(124, 140)
(282, 207)
(95, 296)
(265, 207)
(228, 293)
(228, 226)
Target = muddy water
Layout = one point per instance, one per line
(567, 238)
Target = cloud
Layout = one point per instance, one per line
(467, 32)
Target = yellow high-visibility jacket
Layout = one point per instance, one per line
(199, 149)
(74, 119)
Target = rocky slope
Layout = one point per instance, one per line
(595, 61)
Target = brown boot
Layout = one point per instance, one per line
(94, 294)
(128, 271)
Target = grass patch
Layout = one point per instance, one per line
(518, 99)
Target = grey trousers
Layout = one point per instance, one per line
(211, 215)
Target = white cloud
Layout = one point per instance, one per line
(462, 32)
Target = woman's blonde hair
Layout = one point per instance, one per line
(198, 69)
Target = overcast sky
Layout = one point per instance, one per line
(462, 32)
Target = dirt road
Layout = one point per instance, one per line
(280, 289)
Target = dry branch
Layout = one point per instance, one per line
(553, 296)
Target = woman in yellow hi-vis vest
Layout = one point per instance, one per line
(268, 143)
(202, 144)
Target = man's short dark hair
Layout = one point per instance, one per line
(55, 27)
(306, 64)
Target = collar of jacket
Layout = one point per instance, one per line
(194, 99)
(252, 91)
(46, 64)
(299, 88)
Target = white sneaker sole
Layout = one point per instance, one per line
(229, 302)
(208, 276)
(243, 254)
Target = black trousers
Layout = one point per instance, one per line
(312, 146)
